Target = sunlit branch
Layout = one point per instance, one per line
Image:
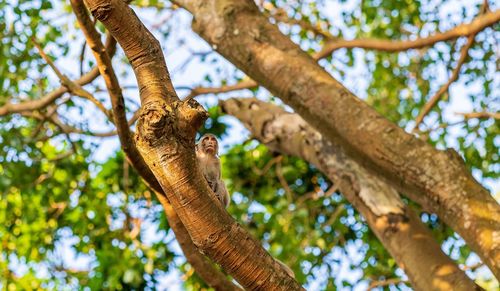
(468, 29)
(480, 115)
(454, 76)
(202, 266)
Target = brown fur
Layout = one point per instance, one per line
(207, 151)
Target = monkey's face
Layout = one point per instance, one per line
(209, 144)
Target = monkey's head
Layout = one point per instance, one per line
(208, 144)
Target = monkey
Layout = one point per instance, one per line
(207, 150)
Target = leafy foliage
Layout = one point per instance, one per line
(73, 214)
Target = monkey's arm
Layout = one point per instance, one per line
(222, 193)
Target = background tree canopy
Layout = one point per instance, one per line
(74, 214)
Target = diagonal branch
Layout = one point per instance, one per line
(51, 97)
(72, 86)
(438, 180)
(454, 76)
(165, 138)
(334, 43)
(399, 229)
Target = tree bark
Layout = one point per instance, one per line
(165, 139)
(399, 229)
(436, 179)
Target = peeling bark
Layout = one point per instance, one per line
(438, 180)
(398, 227)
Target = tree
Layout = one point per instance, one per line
(310, 189)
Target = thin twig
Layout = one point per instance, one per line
(82, 57)
(72, 86)
(51, 97)
(245, 84)
(387, 282)
(480, 115)
(454, 76)
(283, 182)
(477, 25)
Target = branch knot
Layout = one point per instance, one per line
(155, 121)
(102, 12)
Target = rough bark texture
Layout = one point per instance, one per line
(398, 227)
(203, 267)
(165, 138)
(436, 179)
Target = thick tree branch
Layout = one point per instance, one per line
(397, 226)
(207, 272)
(438, 180)
(468, 29)
(165, 138)
(200, 263)
(50, 98)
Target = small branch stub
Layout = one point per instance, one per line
(179, 120)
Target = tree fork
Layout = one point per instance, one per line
(203, 267)
(165, 138)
